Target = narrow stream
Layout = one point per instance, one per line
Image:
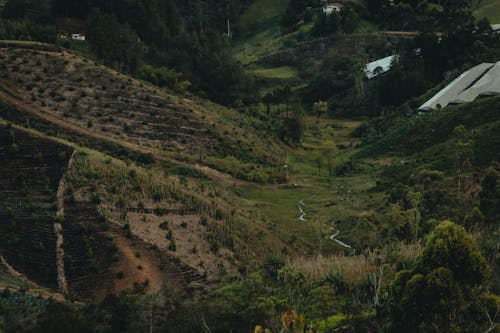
(334, 236)
(301, 210)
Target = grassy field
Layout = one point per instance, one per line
(323, 198)
(261, 12)
(265, 41)
(489, 9)
(260, 32)
(284, 72)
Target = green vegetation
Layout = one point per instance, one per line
(185, 37)
(489, 9)
(319, 202)
(276, 73)
(260, 14)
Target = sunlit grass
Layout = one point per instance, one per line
(285, 72)
(489, 9)
(326, 198)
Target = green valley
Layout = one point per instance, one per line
(249, 166)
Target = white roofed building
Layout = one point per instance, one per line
(374, 68)
(480, 80)
(488, 84)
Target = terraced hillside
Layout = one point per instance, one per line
(92, 225)
(30, 170)
(189, 220)
(100, 105)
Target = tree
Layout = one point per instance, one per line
(234, 167)
(350, 20)
(438, 292)
(490, 195)
(464, 151)
(319, 159)
(294, 126)
(329, 150)
(415, 199)
(115, 43)
(320, 108)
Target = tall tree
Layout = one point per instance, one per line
(438, 294)
(464, 150)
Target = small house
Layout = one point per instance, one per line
(332, 8)
(78, 37)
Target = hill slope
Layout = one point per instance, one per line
(107, 108)
(120, 226)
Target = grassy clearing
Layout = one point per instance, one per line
(489, 9)
(261, 12)
(266, 41)
(285, 72)
(324, 198)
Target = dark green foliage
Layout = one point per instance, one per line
(296, 10)
(338, 282)
(429, 135)
(451, 247)
(346, 21)
(115, 43)
(59, 318)
(27, 30)
(327, 24)
(437, 295)
(18, 311)
(272, 264)
(163, 77)
(412, 15)
(294, 126)
(163, 33)
(490, 195)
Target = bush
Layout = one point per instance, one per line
(163, 77)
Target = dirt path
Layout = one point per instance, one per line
(9, 97)
(58, 230)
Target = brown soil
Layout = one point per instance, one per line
(9, 97)
(190, 238)
(137, 268)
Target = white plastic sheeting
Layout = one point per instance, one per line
(380, 66)
(460, 86)
(488, 84)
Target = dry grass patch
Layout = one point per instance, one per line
(352, 268)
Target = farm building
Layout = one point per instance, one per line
(332, 8)
(481, 80)
(374, 68)
(78, 36)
